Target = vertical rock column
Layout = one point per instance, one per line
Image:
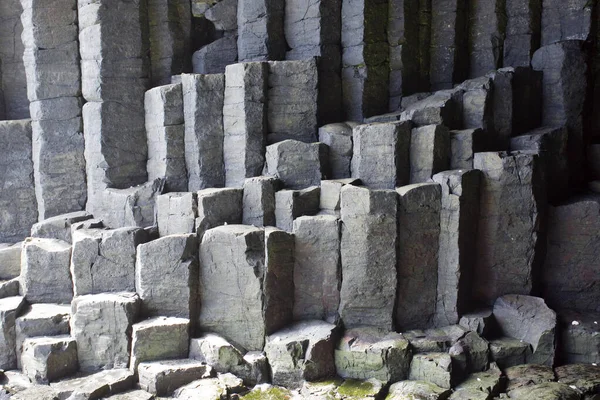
(113, 44)
(458, 232)
(368, 250)
(449, 38)
(365, 58)
(523, 31)
(51, 61)
(487, 22)
(510, 224)
(260, 30)
(170, 25)
(312, 29)
(244, 121)
(12, 74)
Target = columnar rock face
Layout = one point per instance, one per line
(331, 193)
(203, 97)
(115, 75)
(237, 312)
(338, 137)
(176, 213)
(166, 276)
(312, 29)
(527, 100)
(165, 132)
(317, 268)
(441, 108)
(511, 226)
(523, 30)
(217, 207)
(463, 146)
(164, 377)
(487, 23)
(104, 260)
(365, 58)
(504, 108)
(159, 338)
(45, 271)
(244, 120)
(169, 33)
(368, 292)
(291, 204)
(59, 227)
(429, 152)
(458, 231)
(566, 21)
(51, 60)
(47, 359)
(134, 206)
(449, 43)
(381, 157)
(260, 30)
(564, 89)
(417, 258)
(296, 164)
(101, 324)
(571, 261)
(292, 100)
(9, 308)
(10, 261)
(18, 202)
(259, 201)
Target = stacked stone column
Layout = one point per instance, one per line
(523, 31)
(487, 23)
(51, 61)
(260, 30)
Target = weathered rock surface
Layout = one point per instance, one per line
(579, 336)
(159, 338)
(259, 201)
(583, 377)
(10, 260)
(164, 377)
(291, 204)
(9, 308)
(59, 227)
(508, 352)
(549, 390)
(296, 164)
(47, 359)
(176, 213)
(95, 386)
(435, 368)
(526, 375)
(417, 390)
(218, 207)
(260, 30)
(429, 152)
(339, 138)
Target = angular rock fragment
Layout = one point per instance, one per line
(442, 108)
(487, 27)
(217, 352)
(102, 325)
(45, 275)
(365, 353)
(176, 213)
(507, 352)
(419, 209)
(159, 338)
(9, 309)
(470, 354)
(338, 137)
(429, 152)
(584, 378)
(296, 164)
(10, 260)
(579, 336)
(566, 21)
(244, 119)
(480, 385)
(480, 321)
(255, 369)
(417, 389)
(10, 288)
(59, 227)
(96, 385)
(162, 378)
(203, 102)
(435, 340)
(47, 359)
(432, 367)
(303, 351)
(213, 388)
(291, 204)
(529, 319)
(463, 146)
(317, 268)
(166, 276)
(526, 375)
(216, 56)
(104, 260)
(381, 154)
(331, 191)
(217, 207)
(523, 29)
(259, 201)
(260, 30)
(458, 229)
(135, 206)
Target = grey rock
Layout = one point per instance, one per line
(368, 292)
(223, 14)
(255, 369)
(435, 368)
(442, 108)
(407, 390)
(132, 207)
(10, 260)
(166, 276)
(176, 213)
(338, 137)
(164, 377)
(480, 321)
(331, 191)
(19, 203)
(259, 201)
(47, 359)
(217, 352)
(292, 101)
(417, 255)
(244, 119)
(317, 268)
(527, 89)
(435, 340)
(481, 384)
(217, 207)
(104, 260)
(458, 229)
(527, 375)
(429, 152)
(508, 352)
(548, 390)
(368, 389)
(477, 98)
(504, 104)
(216, 56)
(213, 388)
(381, 154)
(203, 97)
(551, 145)
(59, 227)
(37, 392)
(101, 324)
(296, 164)
(506, 222)
(45, 276)
(569, 270)
(159, 338)
(291, 204)
(41, 320)
(10, 288)
(470, 354)
(487, 23)
(9, 309)
(566, 21)
(132, 395)
(463, 146)
(303, 351)
(96, 385)
(528, 318)
(365, 353)
(523, 27)
(260, 30)
(585, 378)
(579, 336)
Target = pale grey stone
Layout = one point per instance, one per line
(218, 207)
(255, 369)
(585, 378)
(47, 359)
(219, 387)
(507, 352)
(303, 351)
(59, 227)
(216, 56)
(176, 213)
(45, 275)
(159, 338)
(259, 201)
(442, 108)
(135, 206)
(486, 383)
(338, 137)
(260, 30)
(435, 368)
(10, 288)
(291, 204)
(95, 386)
(216, 352)
(417, 389)
(527, 375)
(164, 377)
(429, 152)
(296, 164)
(10, 307)
(480, 321)
(463, 146)
(101, 324)
(10, 260)
(331, 190)
(166, 276)
(368, 292)
(546, 390)
(435, 340)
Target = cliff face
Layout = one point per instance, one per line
(399, 192)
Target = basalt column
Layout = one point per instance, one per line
(54, 88)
